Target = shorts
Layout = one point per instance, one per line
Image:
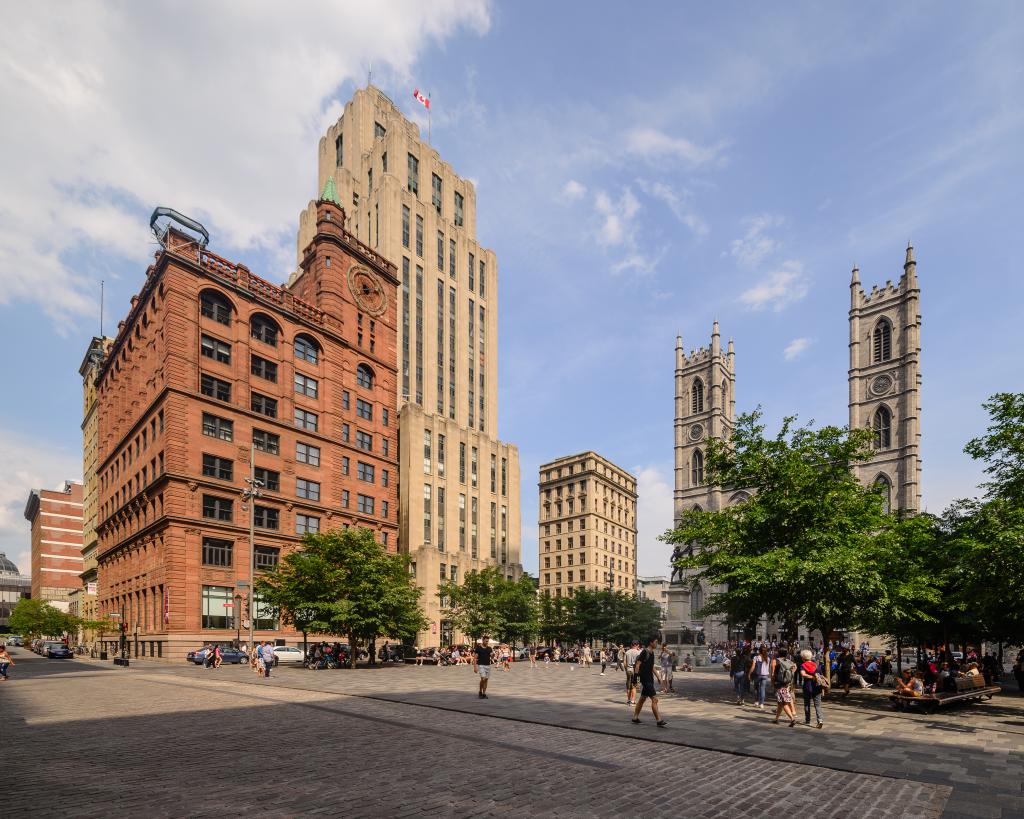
(784, 695)
(647, 688)
(630, 680)
(484, 671)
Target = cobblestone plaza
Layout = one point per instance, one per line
(406, 741)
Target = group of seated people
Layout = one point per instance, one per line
(929, 678)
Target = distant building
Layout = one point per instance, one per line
(14, 586)
(56, 520)
(587, 526)
(654, 589)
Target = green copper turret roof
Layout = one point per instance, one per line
(330, 193)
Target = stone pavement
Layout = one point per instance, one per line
(175, 740)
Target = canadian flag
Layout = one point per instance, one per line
(425, 101)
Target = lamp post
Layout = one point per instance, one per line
(238, 621)
(250, 494)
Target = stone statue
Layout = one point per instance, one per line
(677, 571)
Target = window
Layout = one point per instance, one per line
(217, 508)
(263, 404)
(405, 226)
(504, 476)
(384, 417)
(494, 474)
(462, 522)
(306, 349)
(364, 440)
(697, 468)
(263, 329)
(266, 441)
(413, 177)
(427, 512)
(217, 467)
(364, 504)
(216, 611)
(306, 420)
(310, 490)
(440, 250)
(214, 306)
(697, 397)
(378, 131)
(385, 446)
(344, 498)
(364, 409)
(339, 149)
(214, 387)
(472, 266)
(262, 368)
(435, 192)
(883, 428)
(494, 530)
(419, 236)
(266, 517)
(384, 477)
(440, 455)
(344, 433)
(364, 471)
(472, 466)
(364, 377)
(218, 427)
(307, 454)
(462, 462)
(269, 479)
(474, 504)
(266, 557)
(217, 552)
(215, 349)
(345, 399)
(426, 451)
(884, 487)
(458, 210)
(304, 385)
(344, 464)
(440, 518)
(451, 258)
(882, 342)
(309, 523)
(483, 278)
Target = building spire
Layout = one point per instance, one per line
(910, 267)
(330, 193)
(910, 254)
(855, 278)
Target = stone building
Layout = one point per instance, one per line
(410, 206)
(654, 589)
(212, 365)
(587, 526)
(56, 520)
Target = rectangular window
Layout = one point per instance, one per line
(472, 266)
(304, 385)
(365, 471)
(384, 509)
(310, 490)
(451, 352)
(364, 409)
(344, 465)
(483, 278)
(217, 508)
(462, 522)
(364, 440)
(440, 455)
(435, 192)
(494, 474)
(462, 462)
(309, 523)
(413, 178)
(440, 518)
(263, 404)
(217, 467)
(267, 517)
(474, 515)
(419, 236)
(384, 477)
(440, 250)
(458, 209)
(306, 420)
(472, 467)
(216, 613)
(504, 476)
(443, 574)
(451, 258)
(405, 328)
(385, 446)
(426, 451)
(384, 417)
(344, 433)
(214, 387)
(307, 454)
(427, 522)
(266, 441)
(378, 131)
(216, 308)
(494, 530)
(262, 368)
(215, 349)
(266, 557)
(217, 552)
(405, 226)
(339, 150)
(269, 479)
(364, 504)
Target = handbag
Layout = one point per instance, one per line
(822, 681)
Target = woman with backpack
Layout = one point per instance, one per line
(782, 682)
(812, 683)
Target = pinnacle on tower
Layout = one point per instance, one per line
(855, 279)
(330, 193)
(714, 328)
(910, 255)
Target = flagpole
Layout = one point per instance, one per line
(428, 119)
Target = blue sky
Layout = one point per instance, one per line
(638, 175)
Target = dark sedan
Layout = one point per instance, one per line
(59, 651)
(227, 655)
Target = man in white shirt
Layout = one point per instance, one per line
(631, 656)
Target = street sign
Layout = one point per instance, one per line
(229, 605)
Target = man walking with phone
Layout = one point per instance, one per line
(644, 669)
(482, 664)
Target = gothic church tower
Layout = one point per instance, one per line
(885, 382)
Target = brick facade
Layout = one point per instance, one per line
(56, 519)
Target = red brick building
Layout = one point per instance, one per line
(56, 519)
(210, 361)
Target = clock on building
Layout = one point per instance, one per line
(367, 291)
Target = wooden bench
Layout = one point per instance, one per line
(967, 689)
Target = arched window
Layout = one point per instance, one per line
(306, 349)
(884, 486)
(725, 396)
(696, 601)
(881, 348)
(697, 397)
(265, 329)
(214, 306)
(883, 428)
(697, 468)
(364, 377)
(739, 497)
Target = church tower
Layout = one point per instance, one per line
(885, 383)
(705, 408)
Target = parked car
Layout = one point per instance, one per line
(403, 654)
(227, 655)
(288, 654)
(58, 651)
(13, 640)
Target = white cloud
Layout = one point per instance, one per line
(795, 348)
(573, 190)
(779, 288)
(678, 201)
(617, 218)
(756, 245)
(216, 113)
(650, 143)
(654, 516)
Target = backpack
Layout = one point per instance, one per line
(783, 674)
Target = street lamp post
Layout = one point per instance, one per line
(238, 621)
(250, 494)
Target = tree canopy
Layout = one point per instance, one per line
(487, 602)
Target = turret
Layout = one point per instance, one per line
(716, 347)
(910, 268)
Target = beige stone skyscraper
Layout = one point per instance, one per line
(587, 526)
(459, 485)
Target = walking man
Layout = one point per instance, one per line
(644, 669)
(482, 664)
(268, 658)
(631, 657)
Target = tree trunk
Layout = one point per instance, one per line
(353, 651)
(305, 645)
(899, 656)
(373, 651)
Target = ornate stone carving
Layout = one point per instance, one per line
(696, 432)
(882, 384)
(192, 486)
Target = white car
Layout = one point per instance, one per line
(288, 654)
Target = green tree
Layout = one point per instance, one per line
(553, 625)
(1002, 447)
(517, 605)
(344, 583)
(37, 618)
(633, 618)
(487, 602)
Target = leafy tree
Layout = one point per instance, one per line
(553, 623)
(37, 618)
(517, 604)
(1002, 447)
(344, 583)
(633, 618)
(486, 602)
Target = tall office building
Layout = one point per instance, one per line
(56, 519)
(587, 526)
(459, 483)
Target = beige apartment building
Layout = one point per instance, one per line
(404, 201)
(587, 526)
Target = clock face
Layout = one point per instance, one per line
(367, 290)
